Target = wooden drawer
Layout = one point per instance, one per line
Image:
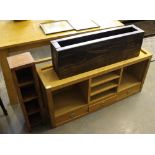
(71, 115)
(102, 103)
(125, 93)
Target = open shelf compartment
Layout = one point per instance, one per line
(103, 95)
(132, 75)
(69, 98)
(32, 106)
(28, 92)
(24, 76)
(104, 87)
(105, 78)
(35, 119)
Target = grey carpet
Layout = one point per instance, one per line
(149, 44)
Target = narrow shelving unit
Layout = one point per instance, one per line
(104, 85)
(27, 86)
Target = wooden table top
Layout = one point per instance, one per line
(18, 33)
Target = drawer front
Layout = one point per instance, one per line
(71, 115)
(102, 103)
(125, 93)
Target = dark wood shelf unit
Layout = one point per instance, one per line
(27, 85)
(32, 106)
(35, 119)
(24, 75)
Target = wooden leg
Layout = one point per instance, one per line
(50, 107)
(3, 108)
(8, 77)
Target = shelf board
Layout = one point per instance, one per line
(128, 81)
(25, 83)
(68, 100)
(102, 96)
(29, 98)
(103, 87)
(33, 111)
(104, 78)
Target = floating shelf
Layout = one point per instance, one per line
(99, 87)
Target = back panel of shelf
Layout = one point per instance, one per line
(133, 75)
(69, 98)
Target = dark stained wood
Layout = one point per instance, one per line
(27, 85)
(80, 53)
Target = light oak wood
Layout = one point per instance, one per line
(102, 103)
(104, 78)
(51, 80)
(24, 35)
(103, 95)
(71, 97)
(26, 32)
(128, 92)
(103, 87)
(74, 114)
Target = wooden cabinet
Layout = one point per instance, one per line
(27, 86)
(72, 97)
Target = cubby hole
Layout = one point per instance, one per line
(35, 119)
(132, 75)
(32, 106)
(70, 98)
(28, 92)
(105, 78)
(103, 95)
(104, 87)
(24, 75)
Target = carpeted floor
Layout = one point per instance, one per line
(149, 44)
